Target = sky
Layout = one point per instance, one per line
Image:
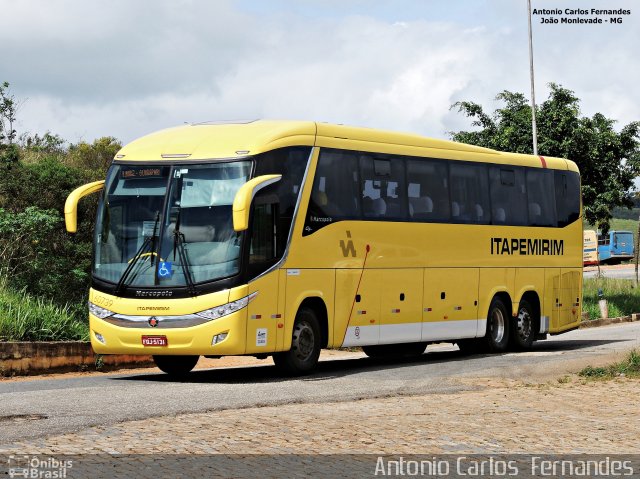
(84, 69)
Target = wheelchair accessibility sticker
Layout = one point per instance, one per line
(165, 269)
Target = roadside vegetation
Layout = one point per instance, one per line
(628, 367)
(29, 318)
(622, 297)
(44, 272)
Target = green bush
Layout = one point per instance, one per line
(24, 317)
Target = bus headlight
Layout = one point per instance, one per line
(226, 309)
(98, 311)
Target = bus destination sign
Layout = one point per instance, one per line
(141, 173)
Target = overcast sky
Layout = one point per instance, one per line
(123, 68)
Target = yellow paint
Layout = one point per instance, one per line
(71, 205)
(242, 200)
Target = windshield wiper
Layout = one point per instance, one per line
(150, 240)
(178, 243)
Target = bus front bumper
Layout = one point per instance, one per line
(219, 337)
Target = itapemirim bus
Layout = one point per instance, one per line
(282, 238)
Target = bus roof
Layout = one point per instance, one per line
(218, 140)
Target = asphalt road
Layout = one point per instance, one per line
(45, 407)
(625, 271)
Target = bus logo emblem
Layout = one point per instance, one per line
(153, 321)
(348, 248)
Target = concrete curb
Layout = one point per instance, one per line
(30, 358)
(586, 323)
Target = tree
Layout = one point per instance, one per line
(608, 160)
(8, 111)
(94, 157)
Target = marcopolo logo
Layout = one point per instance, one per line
(527, 246)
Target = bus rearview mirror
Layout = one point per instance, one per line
(244, 197)
(71, 205)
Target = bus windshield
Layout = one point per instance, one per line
(169, 225)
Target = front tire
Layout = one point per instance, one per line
(303, 356)
(497, 336)
(523, 330)
(176, 365)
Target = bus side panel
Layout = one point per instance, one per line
(493, 281)
(360, 319)
(529, 279)
(401, 306)
(551, 304)
(450, 303)
(570, 283)
(282, 306)
(604, 253)
(262, 321)
(302, 284)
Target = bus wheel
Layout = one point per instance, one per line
(176, 365)
(305, 345)
(523, 328)
(497, 336)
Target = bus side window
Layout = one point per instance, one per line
(382, 186)
(567, 188)
(508, 195)
(542, 207)
(469, 193)
(336, 191)
(428, 190)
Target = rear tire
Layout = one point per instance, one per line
(303, 356)
(497, 337)
(176, 365)
(523, 330)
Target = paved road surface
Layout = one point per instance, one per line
(624, 271)
(44, 407)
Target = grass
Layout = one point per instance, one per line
(628, 367)
(622, 297)
(27, 318)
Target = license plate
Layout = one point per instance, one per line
(154, 341)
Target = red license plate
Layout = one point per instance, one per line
(154, 341)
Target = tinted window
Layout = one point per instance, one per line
(336, 190)
(567, 186)
(508, 196)
(469, 193)
(383, 187)
(428, 190)
(291, 164)
(540, 201)
(264, 243)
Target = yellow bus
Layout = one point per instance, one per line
(590, 248)
(276, 238)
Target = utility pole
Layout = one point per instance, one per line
(533, 94)
(637, 250)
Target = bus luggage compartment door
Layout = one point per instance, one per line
(450, 305)
(401, 306)
(357, 308)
